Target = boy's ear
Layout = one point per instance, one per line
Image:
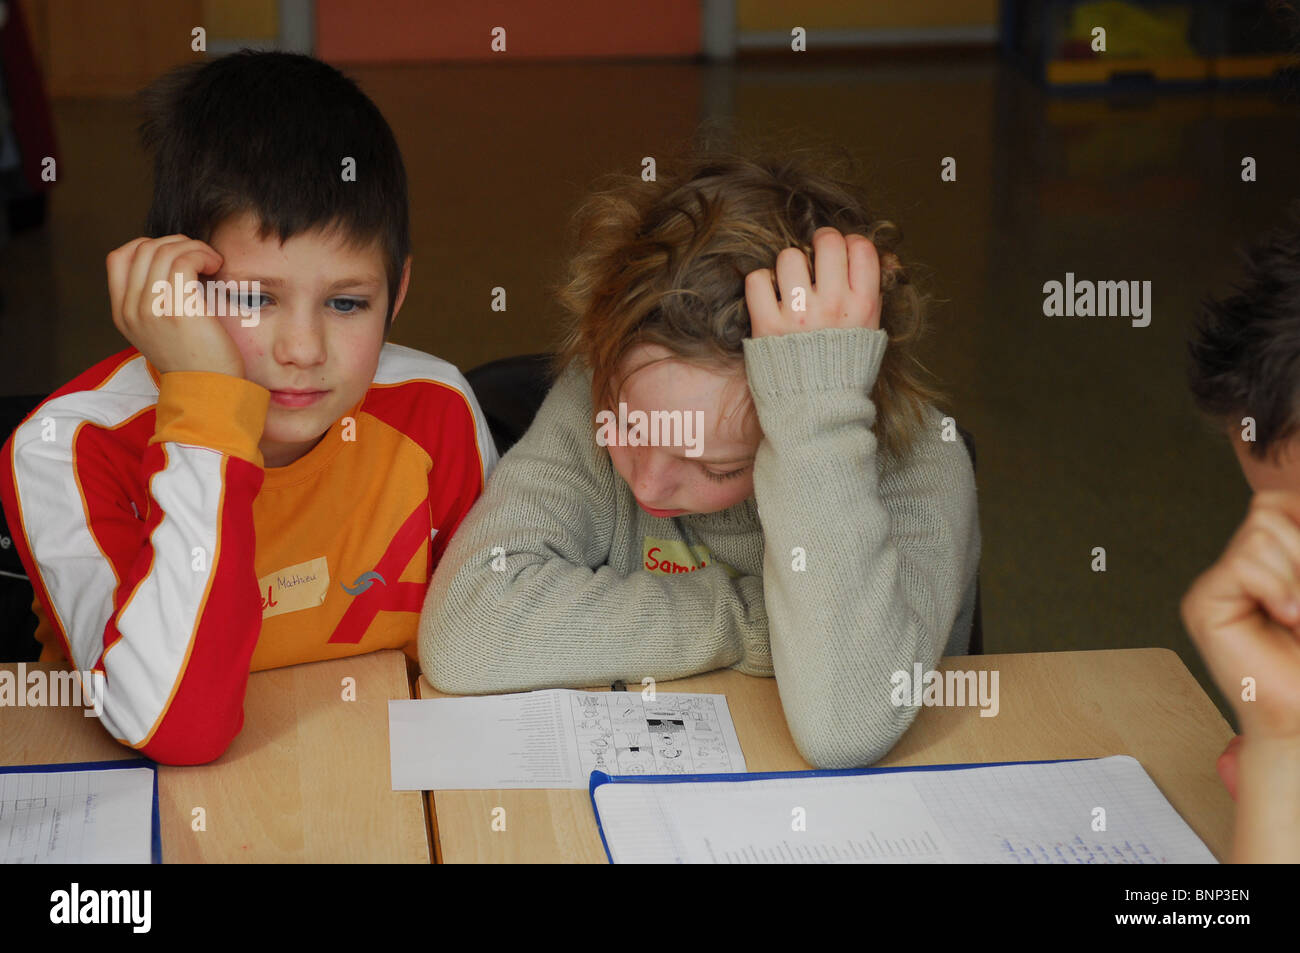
(401, 289)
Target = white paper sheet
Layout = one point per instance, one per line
(1025, 813)
(77, 817)
(556, 738)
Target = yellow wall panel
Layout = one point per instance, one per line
(753, 16)
(241, 19)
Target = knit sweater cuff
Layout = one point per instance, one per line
(827, 360)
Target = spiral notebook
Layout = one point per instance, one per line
(1102, 811)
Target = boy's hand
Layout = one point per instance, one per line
(846, 295)
(1228, 765)
(170, 342)
(1243, 613)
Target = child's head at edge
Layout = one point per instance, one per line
(655, 301)
(251, 154)
(1245, 361)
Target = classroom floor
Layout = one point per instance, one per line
(1085, 432)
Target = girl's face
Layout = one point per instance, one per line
(713, 474)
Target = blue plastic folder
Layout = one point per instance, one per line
(600, 777)
(1000, 816)
(155, 847)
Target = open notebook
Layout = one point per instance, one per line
(97, 812)
(1099, 811)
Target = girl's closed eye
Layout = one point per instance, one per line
(349, 305)
(720, 477)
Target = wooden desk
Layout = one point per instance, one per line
(1139, 702)
(306, 780)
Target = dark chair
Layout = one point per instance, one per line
(17, 623)
(510, 391)
(977, 620)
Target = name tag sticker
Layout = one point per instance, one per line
(303, 586)
(672, 556)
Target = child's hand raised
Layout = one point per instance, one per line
(1243, 613)
(846, 293)
(170, 342)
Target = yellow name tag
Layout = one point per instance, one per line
(672, 556)
(294, 587)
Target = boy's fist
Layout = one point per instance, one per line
(170, 342)
(1243, 613)
(846, 294)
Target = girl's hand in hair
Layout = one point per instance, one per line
(845, 294)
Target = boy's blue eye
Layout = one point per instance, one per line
(348, 305)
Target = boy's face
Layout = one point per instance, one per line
(1282, 473)
(320, 329)
(665, 480)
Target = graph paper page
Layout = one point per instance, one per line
(1091, 812)
(86, 817)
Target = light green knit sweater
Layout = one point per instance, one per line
(546, 584)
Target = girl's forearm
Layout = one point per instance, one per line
(865, 567)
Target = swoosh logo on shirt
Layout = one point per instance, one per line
(364, 582)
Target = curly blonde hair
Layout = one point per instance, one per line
(664, 262)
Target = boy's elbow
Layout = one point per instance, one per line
(182, 758)
(189, 749)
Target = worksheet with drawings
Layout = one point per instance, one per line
(555, 738)
(625, 733)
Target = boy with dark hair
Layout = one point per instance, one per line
(1243, 613)
(1245, 362)
(260, 480)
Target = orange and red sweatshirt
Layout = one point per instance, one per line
(166, 557)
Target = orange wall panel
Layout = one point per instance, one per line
(110, 49)
(418, 31)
